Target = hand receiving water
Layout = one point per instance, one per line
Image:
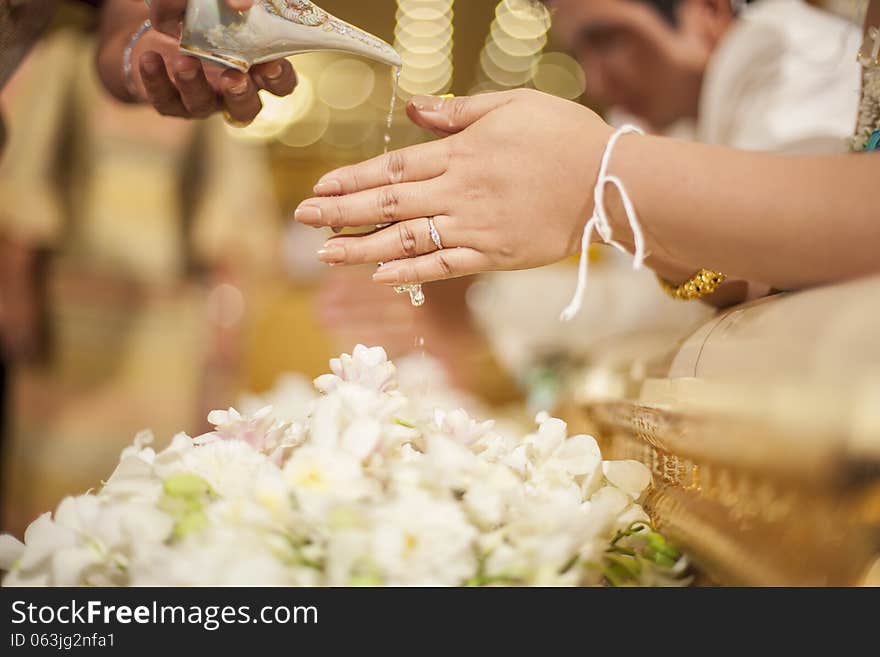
(510, 186)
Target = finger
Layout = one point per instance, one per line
(167, 14)
(406, 239)
(439, 266)
(276, 77)
(240, 96)
(195, 92)
(161, 92)
(413, 164)
(451, 115)
(373, 207)
(240, 5)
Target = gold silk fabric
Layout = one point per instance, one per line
(21, 23)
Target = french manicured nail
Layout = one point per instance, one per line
(274, 70)
(427, 103)
(308, 214)
(385, 276)
(332, 254)
(239, 88)
(328, 188)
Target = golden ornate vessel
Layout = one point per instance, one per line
(273, 29)
(762, 430)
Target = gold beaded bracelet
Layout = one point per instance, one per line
(701, 284)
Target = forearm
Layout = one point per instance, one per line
(788, 222)
(120, 20)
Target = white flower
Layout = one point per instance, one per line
(262, 431)
(251, 429)
(631, 477)
(550, 436)
(11, 550)
(291, 399)
(419, 540)
(348, 556)
(449, 465)
(88, 542)
(134, 476)
(490, 499)
(605, 507)
(544, 537)
(633, 514)
(231, 468)
(219, 556)
(460, 427)
(320, 478)
(361, 485)
(367, 367)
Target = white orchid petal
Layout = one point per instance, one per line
(631, 477)
(42, 538)
(11, 550)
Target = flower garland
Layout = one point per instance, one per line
(356, 485)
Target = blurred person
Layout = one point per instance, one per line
(159, 75)
(773, 75)
(154, 230)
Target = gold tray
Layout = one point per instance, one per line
(745, 516)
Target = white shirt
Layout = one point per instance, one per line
(784, 78)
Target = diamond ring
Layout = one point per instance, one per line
(435, 234)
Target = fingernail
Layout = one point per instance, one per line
(427, 103)
(274, 70)
(386, 276)
(188, 74)
(308, 214)
(152, 65)
(328, 188)
(239, 88)
(332, 254)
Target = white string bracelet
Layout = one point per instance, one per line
(600, 223)
(130, 86)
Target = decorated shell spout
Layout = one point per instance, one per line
(273, 29)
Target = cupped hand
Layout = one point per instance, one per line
(510, 186)
(179, 85)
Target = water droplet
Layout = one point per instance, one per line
(416, 295)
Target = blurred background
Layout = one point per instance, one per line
(151, 272)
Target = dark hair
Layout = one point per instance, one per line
(669, 8)
(666, 8)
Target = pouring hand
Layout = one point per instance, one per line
(179, 85)
(175, 84)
